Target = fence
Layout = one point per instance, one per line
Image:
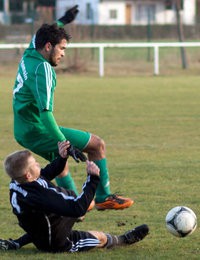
(102, 46)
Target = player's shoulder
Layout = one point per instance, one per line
(44, 67)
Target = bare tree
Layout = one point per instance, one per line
(180, 32)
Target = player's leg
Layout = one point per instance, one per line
(104, 199)
(96, 152)
(14, 244)
(129, 237)
(65, 180)
(84, 241)
(94, 146)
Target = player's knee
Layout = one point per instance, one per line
(100, 145)
(96, 148)
(101, 236)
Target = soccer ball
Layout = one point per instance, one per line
(181, 221)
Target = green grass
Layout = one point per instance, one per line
(151, 128)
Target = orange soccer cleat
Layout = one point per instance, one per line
(114, 202)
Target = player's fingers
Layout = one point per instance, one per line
(63, 146)
(92, 168)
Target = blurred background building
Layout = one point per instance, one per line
(25, 11)
(103, 19)
(127, 12)
(100, 12)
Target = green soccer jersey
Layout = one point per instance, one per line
(33, 93)
(34, 124)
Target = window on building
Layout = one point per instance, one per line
(113, 14)
(16, 5)
(88, 11)
(182, 4)
(146, 13)
(46, 3)
(170, 4)
(1, 5)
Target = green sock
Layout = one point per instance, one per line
(67, 182)
(103, 189)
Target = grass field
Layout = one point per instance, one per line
(152, 129)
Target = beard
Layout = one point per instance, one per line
(51, 58)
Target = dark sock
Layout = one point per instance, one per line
(23, 240)
(114, 240)
(103, 189)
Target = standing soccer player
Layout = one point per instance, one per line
(35, 127)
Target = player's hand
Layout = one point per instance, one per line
(63, 148)
(69, 15)
(76, 154)
(92, 168)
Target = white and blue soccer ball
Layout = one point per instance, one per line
(181, 221)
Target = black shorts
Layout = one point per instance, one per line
(82, 241)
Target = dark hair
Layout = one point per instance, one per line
(50, 33)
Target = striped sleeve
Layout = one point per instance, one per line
(45, 85)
